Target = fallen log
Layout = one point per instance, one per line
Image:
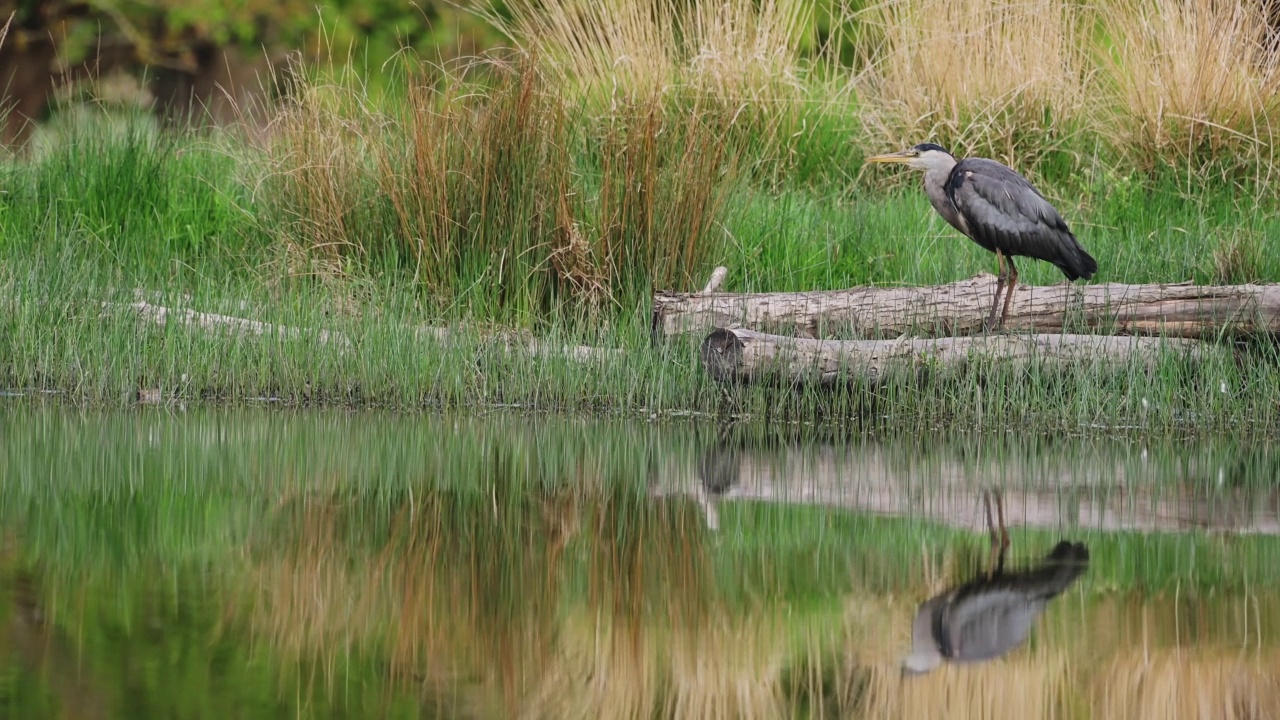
(959, 308)
(162, 315)
(744, 356)
(509, 342)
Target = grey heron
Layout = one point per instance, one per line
(999, 210)
(990, 615)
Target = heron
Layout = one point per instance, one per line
(999, 210)
(990, 615)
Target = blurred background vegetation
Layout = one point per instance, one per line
(215, 57)
(212, 55)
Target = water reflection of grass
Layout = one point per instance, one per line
(521, 567)
(584, 601)
(616, 607)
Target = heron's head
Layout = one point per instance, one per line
(925, 653)
(925, 156)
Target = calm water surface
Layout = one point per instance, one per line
(268, 564)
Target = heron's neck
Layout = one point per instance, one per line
(935, 186)
(940, 173)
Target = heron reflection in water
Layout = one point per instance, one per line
(992, 614)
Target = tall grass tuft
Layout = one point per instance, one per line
(495, 193)
(1193, 85)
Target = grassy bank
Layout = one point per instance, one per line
(538, 192)
(67, 343)
(90, 220)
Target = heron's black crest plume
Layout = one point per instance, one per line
(925, 147)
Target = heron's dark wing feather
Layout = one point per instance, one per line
(986, 625)
(1045, 580)
(1005, 211)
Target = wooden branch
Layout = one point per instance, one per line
(717, 279)
(1177, 310)
(744, 356)
(162, 315)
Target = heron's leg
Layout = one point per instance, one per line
(1004, 533)
(995, 301)
(1008, 291)
(991, 528)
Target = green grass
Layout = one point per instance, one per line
(1145, 236)
(57, 338)
(501, 209)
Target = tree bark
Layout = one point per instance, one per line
(745, 356)
(1175, 310)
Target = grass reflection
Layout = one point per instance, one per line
(260, 565)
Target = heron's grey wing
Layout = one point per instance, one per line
(1007, 212)
(986, 625)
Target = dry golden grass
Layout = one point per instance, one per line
(1193, 83)
(735, 50)
(739, 66)
(598, 164)
(1217, 684)
(472, 186)
(1186, 83)
(995, 78)
(318, 148)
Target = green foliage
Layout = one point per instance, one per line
(135, 199)
(424, 225)
(169, 31)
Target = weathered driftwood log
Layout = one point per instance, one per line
(509, 342)
(745, 356)
(1177, 310)
(162, 315)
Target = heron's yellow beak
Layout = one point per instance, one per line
(901, 156)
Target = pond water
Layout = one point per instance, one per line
(257, 563)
